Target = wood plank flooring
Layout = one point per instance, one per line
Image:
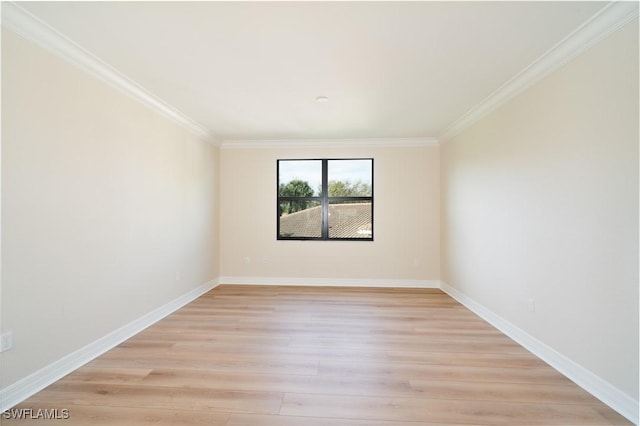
(319, 356)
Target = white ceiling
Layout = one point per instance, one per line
(252, 70)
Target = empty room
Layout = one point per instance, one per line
(319, 213)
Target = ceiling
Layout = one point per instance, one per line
(252, 70)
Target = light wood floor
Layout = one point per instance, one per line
(319, 356)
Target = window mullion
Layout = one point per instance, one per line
(325, 200)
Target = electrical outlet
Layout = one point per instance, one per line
(178, 276)
(247, 260)
(6, 341)
(531, 304)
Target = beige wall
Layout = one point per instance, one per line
(103, 201)
(406, 218)
(540, 201)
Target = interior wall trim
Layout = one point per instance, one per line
(331, 143)
(35, 382)
(592, 383)
(32, 28)
(331, 282)
(608, 20)
(601, 389)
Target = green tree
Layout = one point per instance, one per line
(338, 188)
(295, 188)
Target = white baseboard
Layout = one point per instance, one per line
(601, 389)
(331, 282)
(35, 382)
(595, 385)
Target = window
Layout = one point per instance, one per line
(325, 199)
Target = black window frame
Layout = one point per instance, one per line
(324, 199)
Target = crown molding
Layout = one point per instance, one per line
(605, 22)
(32, 28)
(331, 143)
